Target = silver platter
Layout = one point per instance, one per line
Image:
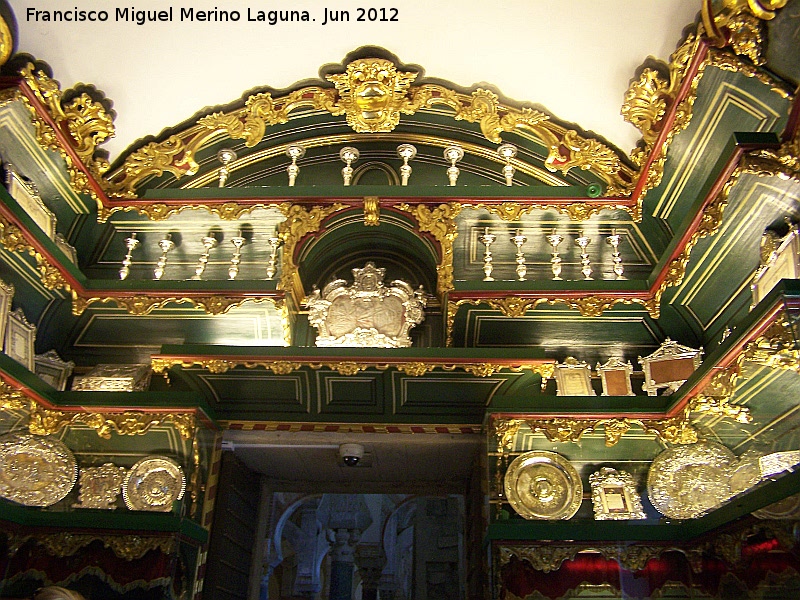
(35, 470)
(543, 485)
(153, 483)
(687, 481)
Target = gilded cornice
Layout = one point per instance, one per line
(14, 239)
(440, 222)
(299, 222)
(576, 211)
(657, 100)
(162, 364)
(738, 24)
(46, 422)
(140, 304)
(675, 430)
(566, 148)
(84, 122)
(159, 211)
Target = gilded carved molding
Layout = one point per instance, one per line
(440, 222)
(158, 211)
(347, 368)
(650, 99)
(46, 422)
(676, 430)
(12, 398)
(14, 239)
(143, 305)
(715, 398)
(299, 222)
(738, 23)
(371, 93)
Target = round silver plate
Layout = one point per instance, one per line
(153, 483)
(543, 485)
(687, 481)
(35, 470)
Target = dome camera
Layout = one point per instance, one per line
(351, 454)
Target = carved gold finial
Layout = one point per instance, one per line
(372, 92)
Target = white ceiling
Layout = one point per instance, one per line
(574, 58)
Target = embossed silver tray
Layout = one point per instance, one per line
(153, 483)
(35, 470)
(687, 481)
(543, 485)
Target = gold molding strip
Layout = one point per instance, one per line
(47, 421)
(14, 239)
(140, 304)
(160, 211)
(675, 430)
(162, 364)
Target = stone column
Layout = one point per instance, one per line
(370, 561)
(346, 516)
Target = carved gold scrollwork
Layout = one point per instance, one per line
(440, 222)
(372, 94)
(13, 239)
(372, 211)
(561, 429)
(715, 398)
(545, 558)
(144, 305)
(506, 430)
(415, 369)
(738, 23)
(86, 120)
(299, 222)
(12, 398)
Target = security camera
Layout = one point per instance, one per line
(351, 454)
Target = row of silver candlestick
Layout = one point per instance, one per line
(554, 239)
(210, 242)
(349, 155)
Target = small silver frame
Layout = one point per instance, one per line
(614, 496)
(52, 370)
(573, 378)
(19, 340)
(6, 296)
(616, 377)
(27, 197)
(778, 263)
(669, 366)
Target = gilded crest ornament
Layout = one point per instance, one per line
(35, 470)
(100, 486)
(153, 484)
(372, 93)
(367, 314)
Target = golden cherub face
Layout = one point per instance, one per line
(372, 93)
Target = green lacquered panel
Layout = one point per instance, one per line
(445, 393)
(715, 288)
(344, 395)
(624, 332)
(783, 43)
(44, 167)
(726, 103)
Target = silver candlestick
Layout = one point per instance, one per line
(508, 151)
(272, 265)
(225, 156)
(406, 152)
(238, 242)
(209, 242)
(166, 245)
(453, 154)
(554, 239)
(518, 239)
(294, 152)
(487, 239)
(349, 155)
(130, 244)
(586, 267)
(613, 240)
